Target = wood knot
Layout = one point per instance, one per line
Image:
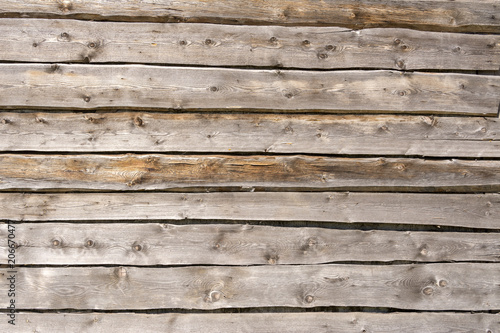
(309, 299)
(65, 5)
(138, 121)
(400, 63)
(213, 296)
(428, 291)
(120, 272)
(6, 121)
(273, 40)
(40, 120)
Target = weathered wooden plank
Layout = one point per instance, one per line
(458, 286)
(467, 210)
(33, 40)
(250, 133)
(153, 87)
(222, 244)
(166, 172)
(442, 15)
(320, 322)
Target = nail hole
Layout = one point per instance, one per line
(330, 47)
(64, 35)
(182, 42)
(90, 243)
(322, 55)
(273, 40)
(306, 42)
(208, 41)
(309, 299)
(137, 247)
(56, 242)
(35, 44)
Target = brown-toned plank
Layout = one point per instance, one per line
(167, 172)
(442, 15)
(154, 87)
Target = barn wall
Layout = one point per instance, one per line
(256, 166)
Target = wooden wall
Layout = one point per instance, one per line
(250, 166)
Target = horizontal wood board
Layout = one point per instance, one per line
(464, 210)
(321, 322)
(155, 87)
(146, 244)
(377, 135)
(163, 172)
(32, 40)
(457, 286)
(442, 15)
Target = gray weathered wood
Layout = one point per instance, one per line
(216, 244)
(154, 87)
(458, 286)
(464, 15)
(33, 40)
(250, 133)
(467, 210)
(319, 322)
(166, 172)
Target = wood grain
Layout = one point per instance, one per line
(222, 244)
(166, 172)
(250, 133)
(225, 45)
(442, 15)
(466, 210)
(320, 322)
(457, 286)
(153, 87)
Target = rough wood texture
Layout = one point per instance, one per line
(224, 45)
(320, 322)
(463, 15)
(164, 172)
(467, 210)
(455, 286)
(151, 87)
(216, 244)
(250, 133)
